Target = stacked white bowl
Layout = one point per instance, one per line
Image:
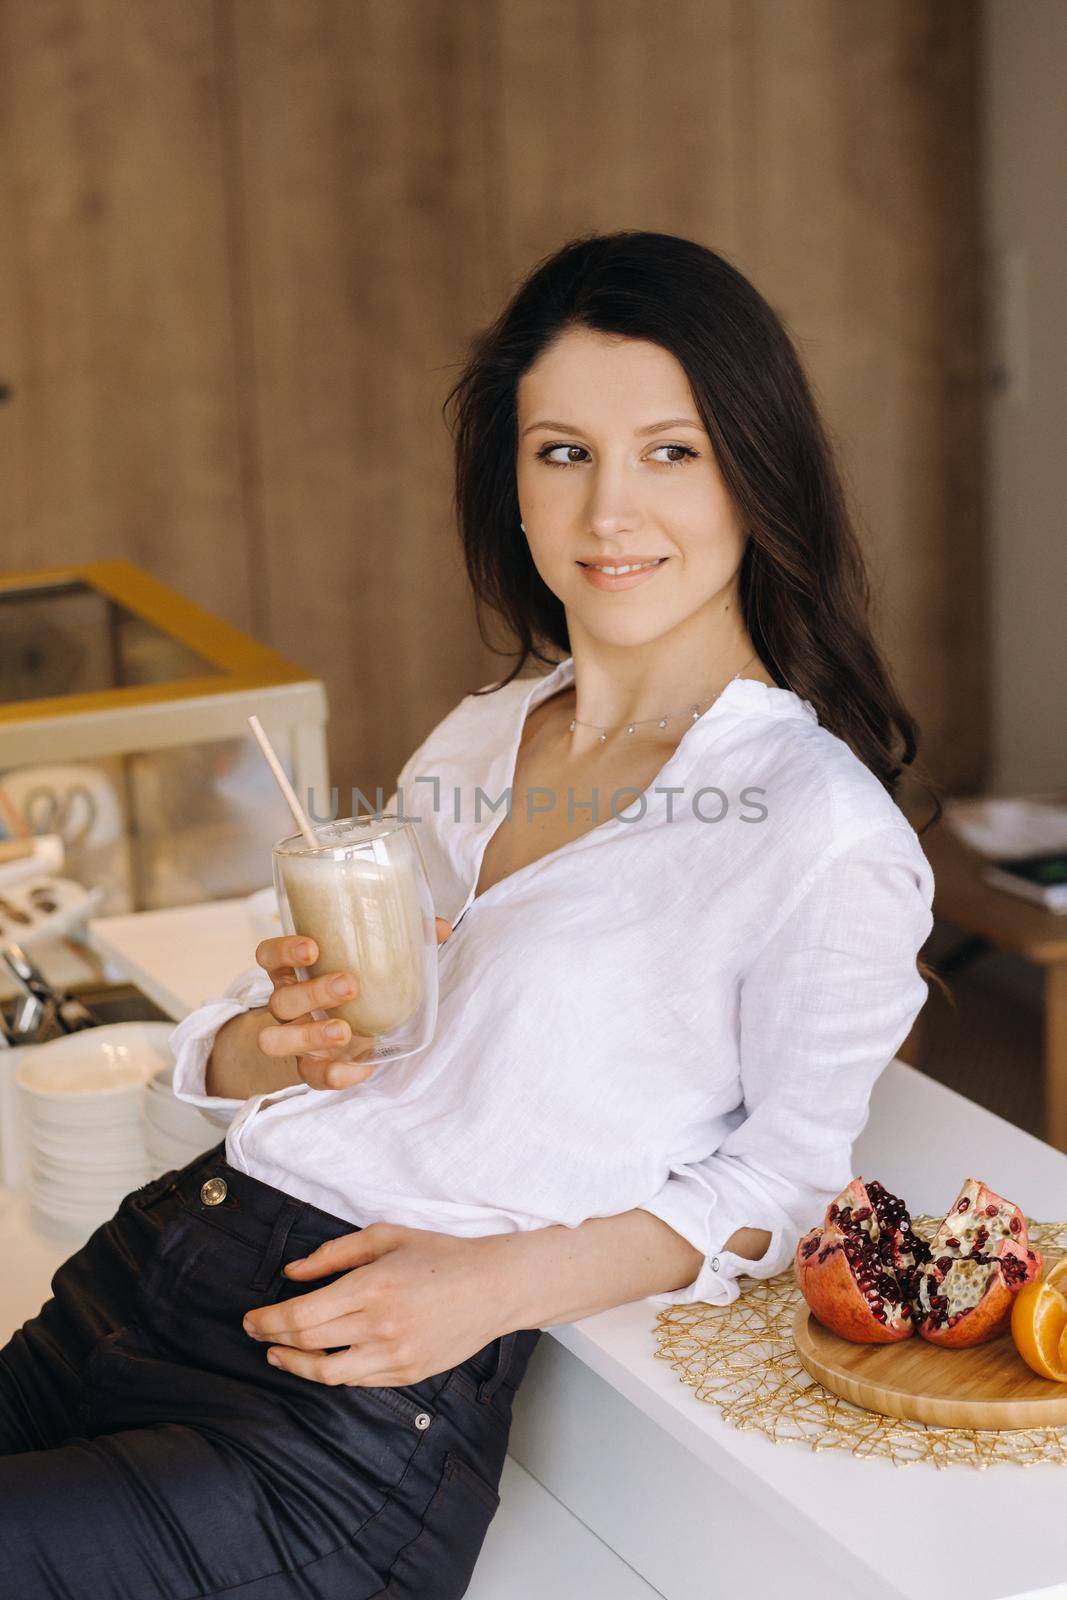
(81, 1102)
(174, 1132)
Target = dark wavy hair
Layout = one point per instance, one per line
(804, 590)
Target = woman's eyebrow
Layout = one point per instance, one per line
(653, 427)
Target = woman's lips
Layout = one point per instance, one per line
(628, 580)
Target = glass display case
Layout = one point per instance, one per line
(123, 728)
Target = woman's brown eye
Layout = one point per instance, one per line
(547, 453)
(683, 453)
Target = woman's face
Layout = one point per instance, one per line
(602, 479)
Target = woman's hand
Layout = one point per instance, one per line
(328, 1054)
(409, 1304)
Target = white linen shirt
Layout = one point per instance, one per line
(671, 1012)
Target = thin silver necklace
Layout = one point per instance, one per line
(693, 712)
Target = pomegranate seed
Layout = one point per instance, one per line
(944, 1262)
(1015, 1225)
(964, 1203)
(992, 1211)
(953, 1244)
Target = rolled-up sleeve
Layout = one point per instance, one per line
(823, 1010)
(193, 1039)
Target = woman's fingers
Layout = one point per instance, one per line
(333, 1038)
(324, 1060)
(283, 954)
(328, 1054)
(334, 1074)
(292, 1000)
(280, 956)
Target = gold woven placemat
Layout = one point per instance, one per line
(741, 1358)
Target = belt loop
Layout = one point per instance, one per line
(283, 1223)
(503, 1362)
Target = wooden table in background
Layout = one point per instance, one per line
(1008, 922)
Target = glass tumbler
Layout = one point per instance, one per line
(363, 895)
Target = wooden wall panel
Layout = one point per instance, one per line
(119, 436)
(867, 240)
(243, 244)
(363, 229)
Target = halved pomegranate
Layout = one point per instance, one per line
(869, 1278)
(980, 1257)
(857, 1271)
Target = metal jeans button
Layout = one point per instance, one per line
(423, 1420)
(213, 1192)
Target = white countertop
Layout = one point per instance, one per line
(183, 957)
(939, 1531)
(912, 1530)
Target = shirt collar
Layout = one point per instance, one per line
(741, 697)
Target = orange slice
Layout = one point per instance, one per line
(1039, 1323)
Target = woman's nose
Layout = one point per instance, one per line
(612, 508)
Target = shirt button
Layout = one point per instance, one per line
(423, 1420)
(714, 1263)
(213, 1192)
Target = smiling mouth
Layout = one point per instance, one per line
(624, 568)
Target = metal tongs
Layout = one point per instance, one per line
(41, 1004)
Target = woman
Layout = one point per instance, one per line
(671, 972)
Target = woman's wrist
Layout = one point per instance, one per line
(554, 1275)
(237, 1067)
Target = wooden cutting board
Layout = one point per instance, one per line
(988, 1386)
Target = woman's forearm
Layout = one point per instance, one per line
(237, 1067)
(558, 1274)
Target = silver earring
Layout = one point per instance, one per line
(522, 525)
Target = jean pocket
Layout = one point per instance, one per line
(440, 1560)
(150, 1194)
(178, 1251)
(496, 1408)
(404, 1403)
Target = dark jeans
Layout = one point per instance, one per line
(149, 1451)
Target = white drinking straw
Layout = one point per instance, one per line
(300, 816)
